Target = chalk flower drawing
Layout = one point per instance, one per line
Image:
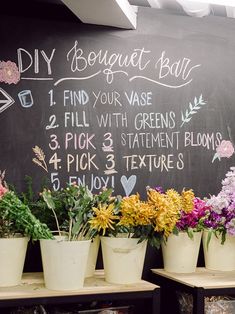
(198, 103)
(9, 72)
(40, 158)
(225, 149)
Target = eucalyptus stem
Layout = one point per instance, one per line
(57, 222)
(70, 225)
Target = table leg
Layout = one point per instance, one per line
(156, 301)
(198, 301)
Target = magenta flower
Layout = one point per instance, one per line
(9, 72)
(193, 219)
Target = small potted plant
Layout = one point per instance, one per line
(65, 257)
(125, 225)
(17, 225)
(219, 227)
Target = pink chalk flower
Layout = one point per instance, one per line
(225, 149)
(9, 72)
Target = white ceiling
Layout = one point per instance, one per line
(123, 13)
(179, 6)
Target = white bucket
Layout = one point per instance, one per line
(123, 259)
(12, 258)
(180, 253)
(219, 256)
(92, 257)
(64, 263)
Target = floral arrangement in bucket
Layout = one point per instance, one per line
(72, 208)
(219, 227)
(178, 227)
(17, 225)
(125, 226)
(220, 218)
(16, 217)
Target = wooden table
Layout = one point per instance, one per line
(32, 291)
(200, 284)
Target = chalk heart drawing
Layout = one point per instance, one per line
(128, 184)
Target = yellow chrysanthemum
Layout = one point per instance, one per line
(103, 218)
(135, 212)
(175, 199)
(188, 200)
(167, 207)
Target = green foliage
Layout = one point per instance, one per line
(72, 209)
(16, 217)
(220, 234)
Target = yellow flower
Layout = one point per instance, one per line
(167, 208)
(187, 200)
(104, 218)
(175, 199)
(128, 208)
(135, 212)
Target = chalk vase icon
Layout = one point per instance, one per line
(26, 99)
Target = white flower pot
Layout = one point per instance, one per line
(219, 256)
(12, 258)
(123, 259)
(64, 263)
(92, 257)
(180, 253)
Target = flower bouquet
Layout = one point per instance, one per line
(178, 228)
(220, 218)
(72, 208)
(17, 225)
(125, 225)
(219, 226)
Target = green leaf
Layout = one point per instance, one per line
(223, 237)
(209, 235)
(48, 199)
(190, 233)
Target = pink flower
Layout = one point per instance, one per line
(225, 149)
(9, 72)
(3, 190)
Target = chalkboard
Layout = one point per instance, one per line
(118, 108)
